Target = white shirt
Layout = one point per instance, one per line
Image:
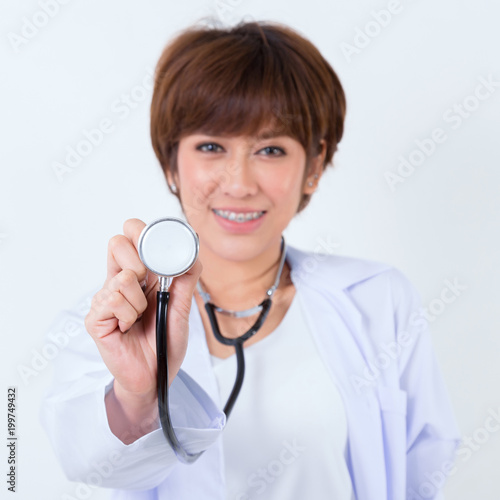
(286, 437)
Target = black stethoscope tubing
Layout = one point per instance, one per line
(162, 298)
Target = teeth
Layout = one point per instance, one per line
(238, 216)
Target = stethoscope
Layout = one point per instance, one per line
(169, 247)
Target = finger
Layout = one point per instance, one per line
(108, 305)
(132, 229)
(126, 283)
(122, 254)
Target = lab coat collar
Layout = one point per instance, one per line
(340, 273)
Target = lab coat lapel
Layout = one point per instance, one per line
(337, 328)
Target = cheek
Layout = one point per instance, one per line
(198, 187)
(197, 184)
(191, 194)
(285, 185)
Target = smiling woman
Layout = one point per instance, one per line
(239, 81)
(244, 121)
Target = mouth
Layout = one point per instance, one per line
(239, 217)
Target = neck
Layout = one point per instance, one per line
(239, 284)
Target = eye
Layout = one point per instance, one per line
(210, 147)
(272, 151)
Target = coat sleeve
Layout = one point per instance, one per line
(432, 434)
(74, 416)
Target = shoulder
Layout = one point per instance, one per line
(352, 275)
(340, 270)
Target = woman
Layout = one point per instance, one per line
(342, 396)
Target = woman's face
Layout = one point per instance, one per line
(238, 192)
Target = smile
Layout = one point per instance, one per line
(238, 216)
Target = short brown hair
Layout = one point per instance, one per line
(236, 80)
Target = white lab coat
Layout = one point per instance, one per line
(363, 315)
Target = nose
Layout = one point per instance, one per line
(240, 178)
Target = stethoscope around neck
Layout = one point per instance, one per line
(169, 247)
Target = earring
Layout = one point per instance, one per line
(173, 188)
(311, 183)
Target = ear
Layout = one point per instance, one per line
(315, 170)
(171, 180)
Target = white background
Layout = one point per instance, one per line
(440, 224)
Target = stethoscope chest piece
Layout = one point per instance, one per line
(168, 247)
